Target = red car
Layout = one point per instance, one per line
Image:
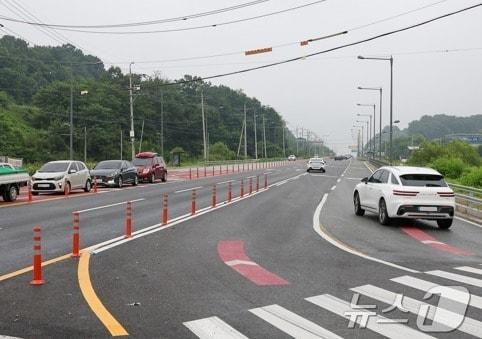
(150, 166)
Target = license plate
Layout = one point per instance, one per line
(43, 185)
(427, 209)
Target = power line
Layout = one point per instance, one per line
(175, 29)
(151, 22)
(376, 37)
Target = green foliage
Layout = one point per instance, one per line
(472, 178)
(451, 168)
(428, 153)
(440, 125)
(220, 151)
(464, 151)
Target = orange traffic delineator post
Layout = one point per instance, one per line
(257, 183)
(128, 220)
(197, 172)
(265, 181)
(193, 201)
(29, 189)
(250, 185)
(37, 258)
(220, 169)
(190, 174)
(165, 216)
(238, 168)
(230, 194)
(242, 188)
(95, 184)
(66, 191)
(76, 235)
(213, 202)
(213, 171)
(205, 171)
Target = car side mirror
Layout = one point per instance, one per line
(72, 171)
(365, 180)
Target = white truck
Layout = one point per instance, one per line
(11, 179)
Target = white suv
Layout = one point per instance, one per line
(406, 192)
(61, 176)
(316, 164)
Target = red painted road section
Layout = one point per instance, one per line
(426, 239)
(232, 254)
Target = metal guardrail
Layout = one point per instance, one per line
(468, 200)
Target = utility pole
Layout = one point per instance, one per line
(71, 116)
(297, 137)
(255, 137)
(204, 126)
(85, 144)
(121, 144)
(142, 134)
(245, 135)
(264, 138)
(284, 149)
(162, 124)
(131, 103)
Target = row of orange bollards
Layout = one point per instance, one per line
(241, 168)
(37, 259)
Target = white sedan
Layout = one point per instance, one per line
(316, 164)
(406, 192)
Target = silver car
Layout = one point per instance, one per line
(61, 176)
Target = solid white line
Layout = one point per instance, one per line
(213, 328)
(358, 179)
(333, 188)
(188, 189)
(240, 262)
(368, 167)
(225, 182)
(111, 205)
(338, 180)
(335, 242)
(291, 323)
(468, 221)
(469, 269)
(469, 325)
(457, 277)
(322, 175)
(374, 323)
(425, 286)
(428, 242)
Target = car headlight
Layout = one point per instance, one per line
(145, 171)
(60, 177)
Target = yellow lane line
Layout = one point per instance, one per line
(30, 268)
(114, 327)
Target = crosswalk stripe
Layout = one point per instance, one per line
(390, 330)
(457, 277)
(469, 269)
(423, 285)
(291, 323)
(469, 325)
(213, 328)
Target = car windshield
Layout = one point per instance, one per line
(110, 164)
(423, 180)
(54, 167)
(142, 161)
(316, 161)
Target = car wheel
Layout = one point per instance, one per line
(382, 213)
(164, 177)
(323, 170)
(152, 178)
(119, 182)
(136, 181)
(67, 188)
(11, 194)
(308, 170)
(356, 202)
(88, 186)
(444, 223)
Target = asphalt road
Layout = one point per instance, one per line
(282, 263)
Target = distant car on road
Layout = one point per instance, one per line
(316, 164)
(114, 173)
(61, 176)
(292, 157)
(406, 192)
(341, 157)
(150, 166)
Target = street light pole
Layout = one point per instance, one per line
(284, 148)
(131, 103)
(71, 119)
(362, 129)
(372, 141)
(391, 98)
(264, 138)
(255, 137)
(245, 135)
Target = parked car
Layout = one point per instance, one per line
(150, 166)
(316, 164)
(406, 192)
(11, 179)
(61, 176)
(292, 157)
(114, 173)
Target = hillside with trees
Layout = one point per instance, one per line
(35, 87)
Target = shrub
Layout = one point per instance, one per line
(451, 168)
(473, 178)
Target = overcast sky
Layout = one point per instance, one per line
(318, 93)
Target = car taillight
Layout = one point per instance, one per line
(405, 193)
(446, 194)
(145, 171)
